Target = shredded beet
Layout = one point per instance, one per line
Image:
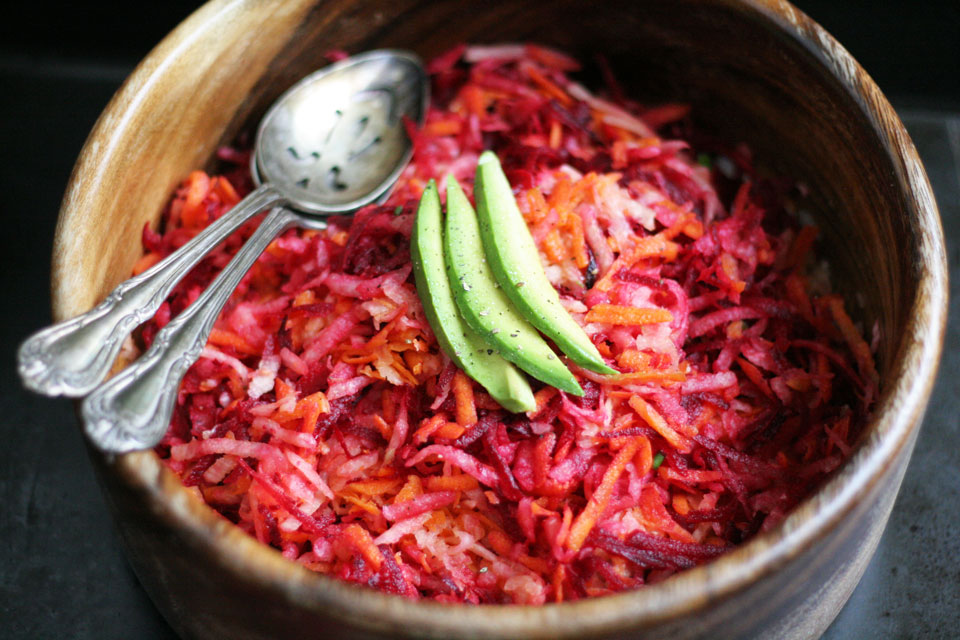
(323, 419)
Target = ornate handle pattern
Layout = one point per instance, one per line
(132, 410)
(73, 357)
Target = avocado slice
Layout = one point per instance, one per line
(501, 379)
(483, 304)
(515, 262)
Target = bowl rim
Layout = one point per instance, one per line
(896, 420)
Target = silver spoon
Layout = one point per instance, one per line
(332, 143)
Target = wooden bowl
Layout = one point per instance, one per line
(757, 71)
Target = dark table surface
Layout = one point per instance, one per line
(62, 573)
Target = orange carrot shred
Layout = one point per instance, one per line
(145, 262)
(225, 338)
(466, 409)
(194, 213)
(755, 376)
(311, 408)
(617, 314)
(223, 188)
(429, 427)
(449, 127)
(559, 572)
(553, 247)
(598, 501)
(578, 243)
(653, 418)
(537, 205)
(859, 347)
(363, 542)
(548, 87)
(450, 430)
(461, 482)
(410, 490)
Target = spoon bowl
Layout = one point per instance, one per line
(336, 142)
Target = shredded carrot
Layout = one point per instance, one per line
(729, 265)
(474, 99)
(598, 501)
(635, 360)
(859, 347)
(687, 224)
(538, 510)
(466, 408)
(429, 427)
(536, 204)
(656, 246)
(282, 389)
(543, 396)
(228, 195)
(605, 350)
(385, 428)
(537, 565)
(363, 542)
(653, 375)
(145, 262)
(755, 376)
(450, 430)
(362, 504)
(224, 338)
(556, 135)
(304, 297)
(549, 88)
(653, 418)
(657, 516)
(553, 247)
(617, 314)
(410, 490)
(194, 213)
(558, 575)
(461, 482)
(500, 542)
(578, 244)
(443, 127)
(375, 487)
(566, 525)
(644, 458)
(311, 408)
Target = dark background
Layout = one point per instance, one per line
(910, 47)
(61, 572)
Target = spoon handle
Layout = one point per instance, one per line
(73, 357)
(132, 410)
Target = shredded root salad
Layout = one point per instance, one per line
(323, 419)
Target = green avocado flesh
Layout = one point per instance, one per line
(483, 304)
(515, 263)
(468, 350)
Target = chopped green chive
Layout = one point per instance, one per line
(398, 210)
(704, 160)
(657, 460)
